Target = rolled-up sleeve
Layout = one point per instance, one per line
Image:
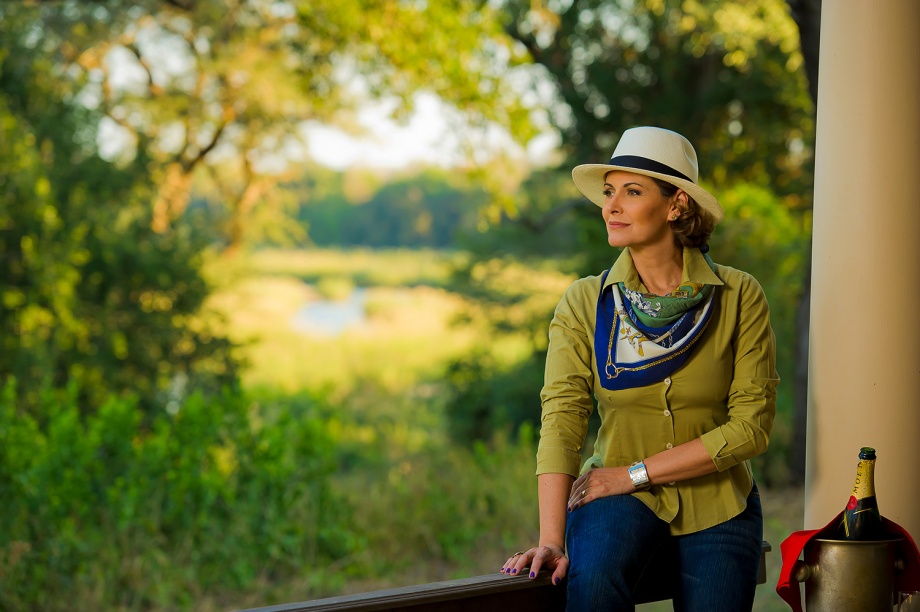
(566, 396)
(752, 394)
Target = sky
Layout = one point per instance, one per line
(425, 139)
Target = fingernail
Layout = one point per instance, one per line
(556, 580)
(514, 571)
(532, 574)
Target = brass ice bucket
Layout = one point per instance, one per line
(841, 576)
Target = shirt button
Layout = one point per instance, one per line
(667, 380)
(669, 445)
(667, 413)
(672, 483)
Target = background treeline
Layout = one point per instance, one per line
(169, 441)
(423, 211)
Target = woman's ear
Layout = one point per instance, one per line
(678, 205)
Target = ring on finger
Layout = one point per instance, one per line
(584, 492)
(517, 554)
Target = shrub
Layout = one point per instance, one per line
(102, 511)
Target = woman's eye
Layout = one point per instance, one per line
(633, 192)
(608, 193)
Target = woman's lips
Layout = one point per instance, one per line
(617, 225)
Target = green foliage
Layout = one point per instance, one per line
(104, 511)
(487, 397)
(89, 291)
(444, 503)
(725, 74)
(494, 389)
(457, 50)
(762, 237)
(215, 97)
(429, 210)
(544, 222)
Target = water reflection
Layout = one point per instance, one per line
(331, 318)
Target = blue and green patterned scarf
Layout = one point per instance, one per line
(643, 338)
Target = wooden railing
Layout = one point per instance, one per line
(491, 593)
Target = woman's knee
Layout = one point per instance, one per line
(719, 565)
(609, 542)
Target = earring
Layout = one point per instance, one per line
(674, 217)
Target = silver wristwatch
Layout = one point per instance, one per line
(639, 475)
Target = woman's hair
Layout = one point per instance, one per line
(694, 226)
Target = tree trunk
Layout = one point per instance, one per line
(807, 16)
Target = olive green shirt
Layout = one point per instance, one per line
(725, 394)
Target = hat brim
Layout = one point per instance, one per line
(589, 178)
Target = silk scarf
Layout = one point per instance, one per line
(642, 339)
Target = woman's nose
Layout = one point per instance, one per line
(611, 204)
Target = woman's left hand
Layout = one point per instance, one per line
(597, 483)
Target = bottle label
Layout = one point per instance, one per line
(864, 485)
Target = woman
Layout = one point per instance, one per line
(679, 354)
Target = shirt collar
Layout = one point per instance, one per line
(696, 269)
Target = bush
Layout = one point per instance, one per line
(456, 509)
(485, 397)
(104, 512)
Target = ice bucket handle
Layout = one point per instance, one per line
(802, 572)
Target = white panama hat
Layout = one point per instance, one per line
(655, 152)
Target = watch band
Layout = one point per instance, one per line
(639, 475)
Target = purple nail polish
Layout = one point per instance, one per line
(555, 580)
(532, 574)
(514, 571)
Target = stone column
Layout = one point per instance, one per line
(864, 382)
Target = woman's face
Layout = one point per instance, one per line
(635, 212)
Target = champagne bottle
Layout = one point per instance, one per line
(861, 519)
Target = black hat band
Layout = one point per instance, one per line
(649, 165)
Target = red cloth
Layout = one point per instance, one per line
(788, 588)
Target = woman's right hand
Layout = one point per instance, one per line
(548, 557)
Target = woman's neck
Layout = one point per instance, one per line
(661, 269)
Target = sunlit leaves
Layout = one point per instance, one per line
(230, 85)
(724, 73)
(88, 293)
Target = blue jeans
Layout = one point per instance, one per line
(612, 541)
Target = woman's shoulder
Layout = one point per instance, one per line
(586, 286)
(740, 287)
(736, 279)
(582, 293)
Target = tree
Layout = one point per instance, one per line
(228, 85)
(807, 15)
(725, 74)
(89, 294)
(429, 210)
